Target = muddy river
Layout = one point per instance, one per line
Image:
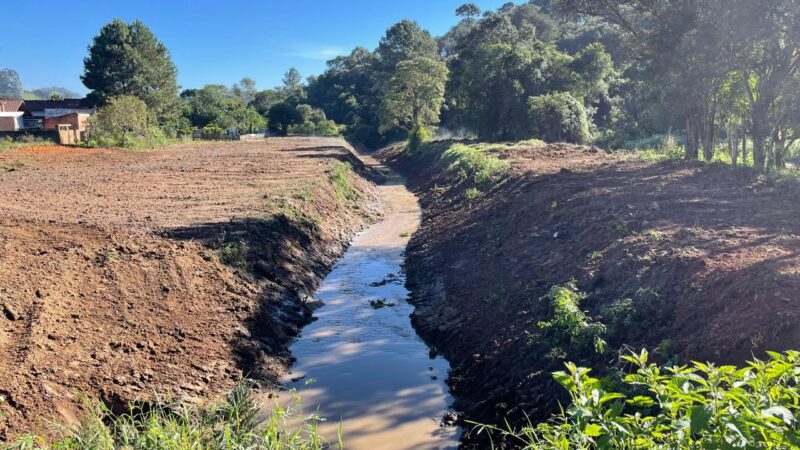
(361, 362)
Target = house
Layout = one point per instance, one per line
(10, 115)
(69, 118)
(49, 114)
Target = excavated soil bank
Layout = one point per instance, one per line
(128, 274)
(700, 261)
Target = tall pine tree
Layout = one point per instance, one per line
(128, 59)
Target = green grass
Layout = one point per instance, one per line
(24, 141)
(474, 162)
(700, 406)
(231, 424)
(342, 186)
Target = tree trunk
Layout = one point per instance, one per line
(733, 145)
(744, 148)
(691, 150)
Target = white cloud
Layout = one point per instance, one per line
(322, 53)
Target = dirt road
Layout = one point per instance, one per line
(127, 273)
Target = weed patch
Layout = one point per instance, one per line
(232, 423)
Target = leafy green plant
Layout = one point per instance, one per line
(474, 162)
(701, 406)
(472, 194)
(233, 424)
(570, 326)
(234, 254)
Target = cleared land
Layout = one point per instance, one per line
(691, 260)
(124, 274)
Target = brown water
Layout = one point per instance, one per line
(364, 366)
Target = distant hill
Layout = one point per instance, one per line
(44, 93)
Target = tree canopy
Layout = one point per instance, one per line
(128, 60)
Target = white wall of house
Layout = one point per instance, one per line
(15, 114)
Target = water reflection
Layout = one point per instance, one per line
(370, 370)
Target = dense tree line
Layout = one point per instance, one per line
(724, 68)
(713, 72)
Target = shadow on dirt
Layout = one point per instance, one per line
(691, 260)
(286, 258)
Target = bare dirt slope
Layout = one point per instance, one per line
(128, 273)
(693, 261)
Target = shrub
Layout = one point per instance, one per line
(475, 162)
(123, 122)
(559, 117)
(570, 327)
(701, 406)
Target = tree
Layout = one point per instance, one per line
(559, 118)
(402, 41)
(264, 100)
(56, 96)
(10, 84)
(128, 60)
(293, 86)
(468, 11)
(283, 115)
(415, 94)
(245, 89)
(119, 122)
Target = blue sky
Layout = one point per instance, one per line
(210, 41)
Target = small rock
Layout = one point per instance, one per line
(449, 419)
(11, 313)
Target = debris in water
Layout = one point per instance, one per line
(380, 303)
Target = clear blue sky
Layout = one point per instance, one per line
(210, 41)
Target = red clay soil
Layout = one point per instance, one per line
(111, 282)
(706, 254)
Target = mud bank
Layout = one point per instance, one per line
(172, 272)
(693, 261)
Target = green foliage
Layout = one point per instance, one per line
(8, 142)
(418, 136)
(414, 95)
(127, 60)
(282, 116)
(559, 117)
(570, 328)
(235, 254)
(232, 423)
(10, 84)
(342, 186)
(124, 122)
(313, 122)
(474, 162)
(472, 194)
(701, 406)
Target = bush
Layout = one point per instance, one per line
(570, 327)
(559, 118)
(474, 162)
(123, 122)
(701, 406)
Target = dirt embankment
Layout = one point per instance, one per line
(124, 274)
(693, 261)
